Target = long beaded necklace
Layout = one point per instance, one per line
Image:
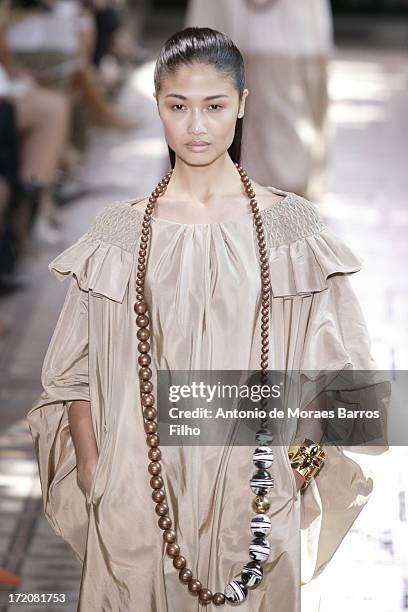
(262, 482)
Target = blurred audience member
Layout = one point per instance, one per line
(46, 49)
(286, 46)
(112, 36)
(35, 124)
(54, 41)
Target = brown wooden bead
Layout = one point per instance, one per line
(185, 575)
(162, 508)
(156, 482)
(154, 468)
(142, 320)
(173, 549)
(205, 596)
(144, 360)
(179, 562)
(154, 454)
(145, 373)
(218, 599)
(194, 586)
(140, 307)
(152, 439)
(143, 347)
(143, 334)
(146, 386)
(165, 522)
(150, 413)
(150, 427)
(158, 495)
(147, 399)
(169, 536)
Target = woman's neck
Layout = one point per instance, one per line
(203, 183)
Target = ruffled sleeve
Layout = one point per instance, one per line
(303, 252)
(64, 379)
(100, 262)
(102, 259)
(338, 343)
(309, 262)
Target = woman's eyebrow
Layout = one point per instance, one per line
(180, 97)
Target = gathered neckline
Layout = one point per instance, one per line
(247, 215)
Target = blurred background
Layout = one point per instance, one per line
(327, 118)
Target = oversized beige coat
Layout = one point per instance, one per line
(203, 290)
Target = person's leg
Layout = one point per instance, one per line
(43, 122)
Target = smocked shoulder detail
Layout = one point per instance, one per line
(119, 224)
(292, 218)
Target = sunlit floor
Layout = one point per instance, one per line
(366, 205)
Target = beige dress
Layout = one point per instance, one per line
(286, 46)
(203, 290)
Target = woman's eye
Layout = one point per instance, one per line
(213, 107)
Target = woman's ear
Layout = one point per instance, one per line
(157, 102)
(241, 110)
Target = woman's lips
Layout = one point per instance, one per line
(197, 147)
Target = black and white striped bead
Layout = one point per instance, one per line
(261, 482)
(263, 457)
(259, 549)
(260, 525)
(235, 592)
(252, 574)
(264, 437)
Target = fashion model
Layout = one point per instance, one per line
(210, 272)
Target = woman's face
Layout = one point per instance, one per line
(199, 106)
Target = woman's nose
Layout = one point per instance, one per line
(197, 124)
